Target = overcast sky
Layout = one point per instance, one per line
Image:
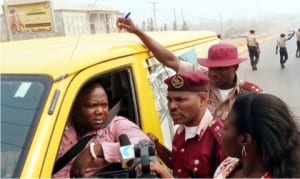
(197, 10)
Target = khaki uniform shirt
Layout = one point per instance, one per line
(189, 67)
(298, 35)
(281, 42)
(218, 107)
(252, 40)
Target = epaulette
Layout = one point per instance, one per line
(216, 127)
(248, 86)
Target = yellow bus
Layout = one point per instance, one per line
(40, 79)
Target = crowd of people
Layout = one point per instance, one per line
(227, 127)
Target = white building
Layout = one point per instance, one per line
(84, 19)
(65, 19)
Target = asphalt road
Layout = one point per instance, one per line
(284, 83)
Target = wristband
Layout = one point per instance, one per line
(92, 151)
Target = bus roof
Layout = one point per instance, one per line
(66, 55)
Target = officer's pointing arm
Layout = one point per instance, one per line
(162, 54)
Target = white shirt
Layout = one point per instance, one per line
(224, 93)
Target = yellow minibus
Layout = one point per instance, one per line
(40, 79)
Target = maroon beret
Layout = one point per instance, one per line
(188, 81)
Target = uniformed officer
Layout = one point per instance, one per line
(253, 49)
(281, 45)
(222, 63)
(196, 150)
(298, 44)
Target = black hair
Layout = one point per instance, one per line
(272, 126)
(98, 81)
(89, 83)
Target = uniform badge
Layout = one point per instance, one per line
(177, 81)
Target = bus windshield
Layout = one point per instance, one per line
(22, 98)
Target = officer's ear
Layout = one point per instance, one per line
(203, 97)
(245, 139)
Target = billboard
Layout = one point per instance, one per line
(35, 17)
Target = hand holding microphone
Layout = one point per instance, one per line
(137, 157)
(127, 151)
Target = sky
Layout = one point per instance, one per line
(196, 10)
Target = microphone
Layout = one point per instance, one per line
(127, 151)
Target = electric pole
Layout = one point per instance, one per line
(154, 13)
(175, 21)
(221, 24)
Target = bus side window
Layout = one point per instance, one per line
(119, 87)
(158, 73)
(189, 56)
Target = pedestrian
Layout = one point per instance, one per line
(281, 44)
(261, 139)
(223, 62)
(88, 116)
(196, 150)
(298, 43)
(253, 49)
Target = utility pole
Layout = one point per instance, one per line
(6, 16)
(154, 13)
(184, 25)
(182, 14)
(221, 24)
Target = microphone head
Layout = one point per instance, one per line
(124, 140)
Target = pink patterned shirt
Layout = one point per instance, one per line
(107, 137)
(228, 166)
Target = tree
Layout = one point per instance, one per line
(165, 27)
(174, 25)
(184, 26)
(150, 25)
(143, 25)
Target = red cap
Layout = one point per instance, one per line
(221, 55)
(188, 81)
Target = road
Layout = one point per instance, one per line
(284, 83)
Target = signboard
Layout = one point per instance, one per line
(35, 17)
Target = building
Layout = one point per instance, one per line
(29, 19)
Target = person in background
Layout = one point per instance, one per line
(222, 63)
(253, 49)
(196, 150)
(298, 43)
(88, 116)
(261, 139)
(281, 45)
(16, 24)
